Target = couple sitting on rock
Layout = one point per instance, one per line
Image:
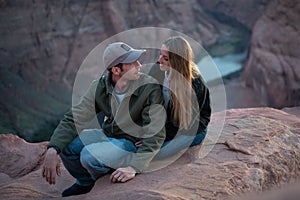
(147, 120)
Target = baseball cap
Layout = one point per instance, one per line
(119, 52)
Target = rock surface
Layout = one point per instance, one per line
(272, 68)
(257, 150)
(19, 157)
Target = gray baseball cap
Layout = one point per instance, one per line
(119, 52)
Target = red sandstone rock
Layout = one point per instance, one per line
(19, 157)
(258, 150)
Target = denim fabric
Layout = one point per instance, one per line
(99, 158)
(71, 160)
(80, 157)
(199, 138)
(179, 143)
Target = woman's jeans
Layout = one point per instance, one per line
(92, 155)
(179, 143)
(174, 149)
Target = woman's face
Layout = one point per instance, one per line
(164, 58)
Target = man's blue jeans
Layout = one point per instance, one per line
(92, 155)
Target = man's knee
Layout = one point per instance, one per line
(90, 136)
(91, 163)
(74, 148)
(87, 159)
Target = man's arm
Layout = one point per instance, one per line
(153, 132)
(68, 128)
(75, 120)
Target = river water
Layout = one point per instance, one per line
(213, 68)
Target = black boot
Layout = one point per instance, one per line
(76, 189)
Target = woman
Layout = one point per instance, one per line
(186, 96)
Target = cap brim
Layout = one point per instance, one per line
(133, 56)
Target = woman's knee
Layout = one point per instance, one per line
(199, 138)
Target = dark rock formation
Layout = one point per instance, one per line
(241, 14)
(236, 9)
(272, 68)
(257, 151)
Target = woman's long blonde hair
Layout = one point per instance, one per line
(182, 72)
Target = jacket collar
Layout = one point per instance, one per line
(133, 87)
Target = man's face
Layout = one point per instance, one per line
(131, 71)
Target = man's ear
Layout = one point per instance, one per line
(116, 70)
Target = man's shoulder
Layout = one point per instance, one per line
(102, 80)
(144, 85)
(145, 78)
(157, 73)
(99, 84)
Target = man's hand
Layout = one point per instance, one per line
(138, 143)
(51, 166)
(122, 175)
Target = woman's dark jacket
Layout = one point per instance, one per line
(203, 117)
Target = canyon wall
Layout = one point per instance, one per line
(43, 43)
(272, 68)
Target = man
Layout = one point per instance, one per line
(131, 135)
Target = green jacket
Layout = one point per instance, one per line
(130, 119)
